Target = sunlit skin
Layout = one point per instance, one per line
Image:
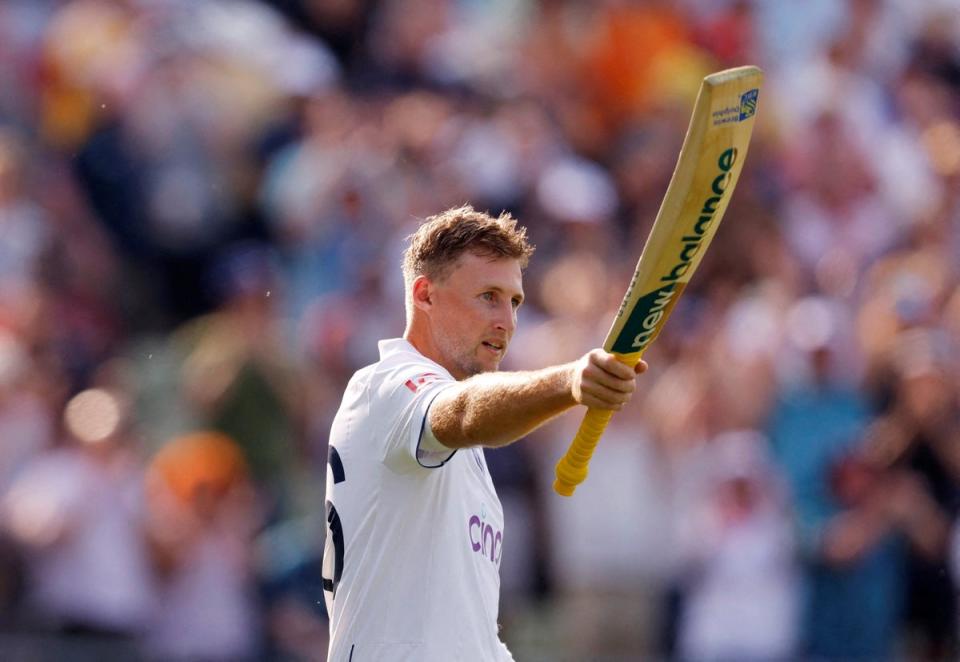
(464, 320)
(471, 314)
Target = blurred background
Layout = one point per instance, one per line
(202, 211)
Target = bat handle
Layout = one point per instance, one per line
(572, 468)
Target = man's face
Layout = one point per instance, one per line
(474, 313)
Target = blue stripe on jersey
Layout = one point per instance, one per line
(336, 465)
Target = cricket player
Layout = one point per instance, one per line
(415, 529)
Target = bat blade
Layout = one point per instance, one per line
(703, 181)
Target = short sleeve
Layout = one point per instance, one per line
(405, 395)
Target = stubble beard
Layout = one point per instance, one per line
(471, 366)
(465, 363)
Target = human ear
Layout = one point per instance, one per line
(422, 293)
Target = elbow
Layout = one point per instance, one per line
(449, 421)
(460, 422)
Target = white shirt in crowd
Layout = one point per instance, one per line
(414, 529)
(82, 522)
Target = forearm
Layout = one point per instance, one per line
(497, 408)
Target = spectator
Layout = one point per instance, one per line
(203, 512)
(78, 510)
(741, 594)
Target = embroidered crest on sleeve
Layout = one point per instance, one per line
(418, 382)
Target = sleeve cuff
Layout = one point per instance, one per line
(430, 453)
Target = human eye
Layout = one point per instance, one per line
(516, 302)
(489, 295)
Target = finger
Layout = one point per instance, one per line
(605, 395)
(641, 367)
(599, 376)
(611, 364)
(596, 403)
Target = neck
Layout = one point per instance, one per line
(419, 334)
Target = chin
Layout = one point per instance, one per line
(492, 368)
(479, 368)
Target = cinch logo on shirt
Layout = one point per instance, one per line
(415, 383)
(484, 539)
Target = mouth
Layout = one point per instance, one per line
(498, 347)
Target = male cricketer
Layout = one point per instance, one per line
(415, 530)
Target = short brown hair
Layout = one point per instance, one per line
(444, 237)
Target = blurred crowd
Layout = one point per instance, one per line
(203, 204)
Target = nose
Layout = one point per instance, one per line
(507, 318)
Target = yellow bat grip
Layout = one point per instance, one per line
(572, 468)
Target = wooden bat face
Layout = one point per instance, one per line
(702, 183)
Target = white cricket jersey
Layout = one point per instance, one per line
(414, 529)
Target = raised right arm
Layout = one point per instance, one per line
(497, 408)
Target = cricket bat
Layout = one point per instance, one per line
(703, 180)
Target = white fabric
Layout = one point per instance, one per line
(422, 527)
(89, 563)
(744, 601)
(205, 610)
